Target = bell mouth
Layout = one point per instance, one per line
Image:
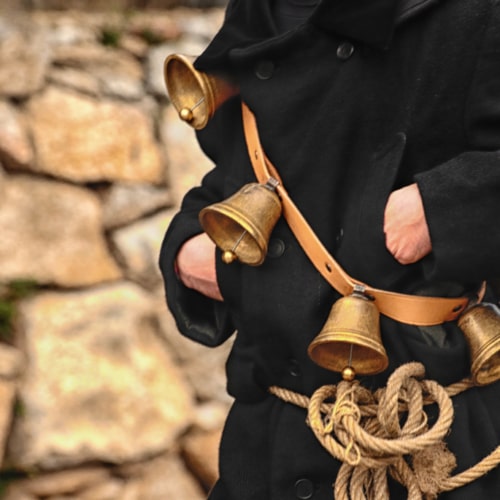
(480, 325)
(486, 366)
(355, 350)
(350, 341)
(251, 246)
(189, 90)
(242, 224)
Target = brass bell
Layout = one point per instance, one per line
(481, 327)
(350, 341)
(195, 95)
(242, 224)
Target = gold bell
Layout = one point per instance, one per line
(350, 341)
(242, 224)
(195, 95)
(481, 327)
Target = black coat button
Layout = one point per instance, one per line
(264, 69)
(304, 489)
(345, 50)
(275, 248)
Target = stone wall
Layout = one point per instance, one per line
(100, 397)
(107, 5)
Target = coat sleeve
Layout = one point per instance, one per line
(202, 319)
(462, 196)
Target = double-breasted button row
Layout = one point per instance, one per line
(264, 69)
(345, 50)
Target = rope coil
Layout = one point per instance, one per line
(364, 431)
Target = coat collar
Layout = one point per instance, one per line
(249, 24)
(410, 8)
(369, 21)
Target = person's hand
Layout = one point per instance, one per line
(196, 266)
(406, 231)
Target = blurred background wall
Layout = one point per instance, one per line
(100, 397)
(110, 4)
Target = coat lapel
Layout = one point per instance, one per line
(250, 25)
(410, 8)
(368, 21)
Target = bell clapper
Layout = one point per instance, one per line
(186, 114)
(229, 256)
(348, 373)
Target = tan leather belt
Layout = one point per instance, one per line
(410, 309)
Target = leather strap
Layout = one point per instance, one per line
(410, 309)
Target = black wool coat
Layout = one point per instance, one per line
(365, 97)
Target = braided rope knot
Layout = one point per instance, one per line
(364, 431)
(387, 433)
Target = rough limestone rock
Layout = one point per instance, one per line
(139, 247)
(51, 233)
(15, 147)
(187, 163)
(24, 57)
(203, 367)
(57, 483)
(75, 79)
(86, 140)
(12, 362)
(126, 203)
(165, 478)
(118, 73)
(7, 395)
(201, 452)
(101, 395)
(96, 357)
(65, 28)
